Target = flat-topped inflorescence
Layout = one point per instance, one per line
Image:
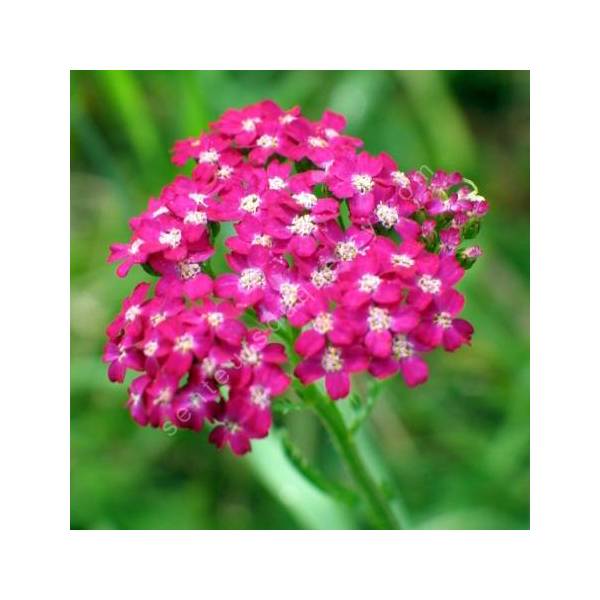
(348, 259)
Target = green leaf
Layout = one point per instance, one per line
(150, 270)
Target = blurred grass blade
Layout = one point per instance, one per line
(442, 120)
(310, 507)
(122, 90)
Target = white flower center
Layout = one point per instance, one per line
(302, 225)
(232, 427)
(286, 119)
(157, 318)
(225, 172)
(132, 312)
(195, 399)
(305, 199)
(188, 270)
(250, 203)
(289, 294)
(331, 133)
(362, 183)
(379, 319)
(215, 318)
(368, 283)
(267, 141)
(208, 366)
(399, 178)
(259, 395)
(443, 319)
(317, 142)
(262, 240)
(150, 348)
(184, 343)
(346, 250)
(170, 238)
(250, 355)
(195, 217)
(323, 276)
(164, 397)
(208, 156)
(276, 183)
(402, 260)
(429, 284)
(332, 360)
(401, 347)
(323, 323)
(386, 215)
(252, 278)
(248, 125)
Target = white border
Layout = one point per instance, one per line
(42, 42)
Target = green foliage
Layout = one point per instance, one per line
(455, 450)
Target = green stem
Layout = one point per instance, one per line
(379, 509)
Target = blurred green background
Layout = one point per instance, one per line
(456, 450)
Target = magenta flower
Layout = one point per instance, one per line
(236, 426)
(247, 286)
(219, 321)
(335, 364)
(439, 325)
(184, 278)
(298, 223)
(377, 325)
(186, 343)
(272, 139)
(267, 383)
(159, 396)
(403, 359)
(252, 233)
(135, 402)
(247, 197)
(286, 294)
(242, 125)
(206, 149)
(133, 253)
(345, 246)
(324, 326)
(366, 281)
(122, 356)
(434, 276)
(194, 404)
(130, 317)
(403, 259)
(354, 178)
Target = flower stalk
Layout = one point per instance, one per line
(379, 510)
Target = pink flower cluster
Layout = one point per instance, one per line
(355, 259)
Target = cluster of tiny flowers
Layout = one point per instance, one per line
(354, 256)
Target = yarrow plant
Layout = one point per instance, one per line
(339, 264)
